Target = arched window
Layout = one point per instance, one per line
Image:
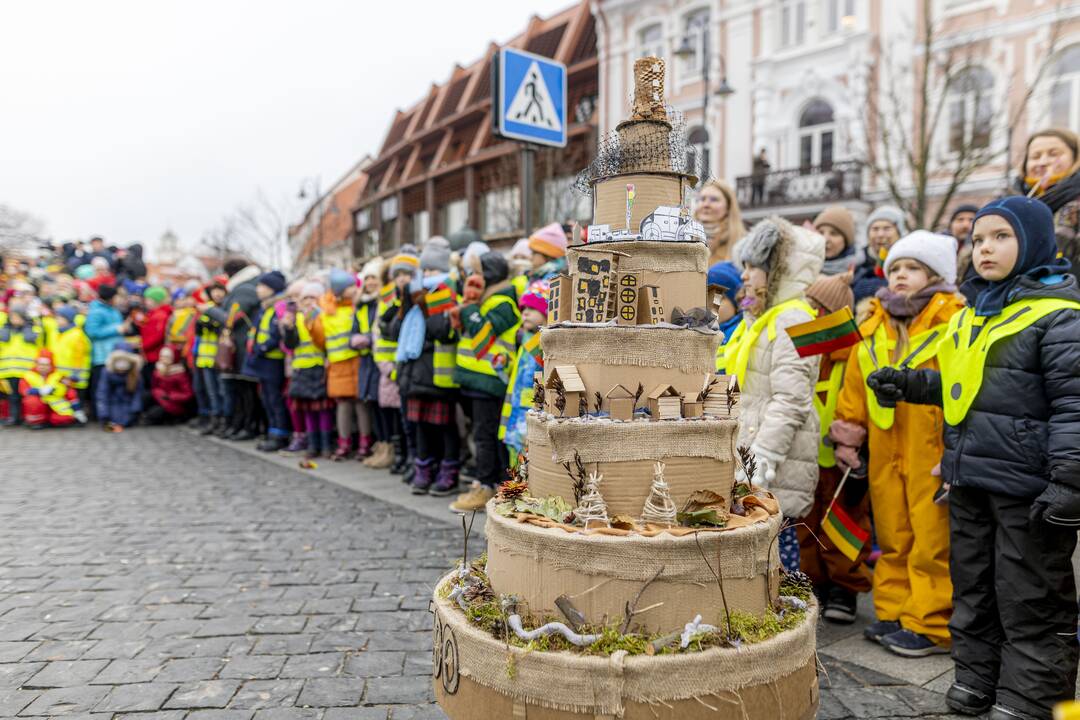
(651, 41)
(1065, 91)
(697, 152)
(817, 135)
(696, 31)
(970, 109)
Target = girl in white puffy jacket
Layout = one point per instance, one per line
(777, 421)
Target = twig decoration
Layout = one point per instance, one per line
(719, 579)
(631, 607)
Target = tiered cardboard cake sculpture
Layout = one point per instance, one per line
(628, 573)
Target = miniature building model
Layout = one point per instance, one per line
(665, 403)
(650, 307)
(620, 403)
(573, 391)
(626, 306)
(723, 399)
(558, 299)
(692, 408)
(592, 285)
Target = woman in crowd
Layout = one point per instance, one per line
(1050, 171)
(718, 212)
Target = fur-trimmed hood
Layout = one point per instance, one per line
(115, 355)
(251, 272)
(792, 256)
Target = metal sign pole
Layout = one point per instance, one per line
(528, 178)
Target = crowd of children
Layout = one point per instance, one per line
(950, 432)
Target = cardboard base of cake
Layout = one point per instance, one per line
(601, 574)
(478, 677)
(651, 190)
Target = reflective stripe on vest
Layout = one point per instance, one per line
(17, 356)
(923, 347)
(963, 358)
(364, 323)
(71, 354)
(262, 334)
(57, 399)
(445, 360)
(307, 354)
(737, 351)
(385, 350)
(505, 344)
(338, 327)
(179, 324)
(827, 411)
(206, 350)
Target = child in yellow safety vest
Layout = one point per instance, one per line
(307, 386)
(71, 352)
(837, 579)
(205, 378)
(527, 362)
(1009, 390)
(402, 269)
(908, 317)
(48, 400)
(21, 338)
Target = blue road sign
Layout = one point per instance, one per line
(530, 98)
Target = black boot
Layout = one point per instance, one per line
(273, 444)
(967, 701)
(398, 466)
(409, 473)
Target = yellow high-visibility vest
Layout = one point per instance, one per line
(179, 324)
(17, 354)
(963, 358)
(338, 327)
(364, 324)
(505, 344)
(206, 347)
(924, 347)
(827, 411)
(385, 350)
(71, 353)
(57, 397)
(737, 350)
(261, 333)
(307, 354)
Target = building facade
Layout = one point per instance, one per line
(808, 82)
(325, 236)
(440, 167)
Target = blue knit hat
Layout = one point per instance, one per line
(340, 281)
(273, 280)
(727, 276)
(68, 313)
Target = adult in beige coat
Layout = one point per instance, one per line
(777, 419)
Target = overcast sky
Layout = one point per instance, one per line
(124, 118)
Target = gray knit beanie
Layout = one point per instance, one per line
(436, 255)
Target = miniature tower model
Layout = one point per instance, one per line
(659, 507)
(591, 511)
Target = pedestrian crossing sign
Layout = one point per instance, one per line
(530, 98)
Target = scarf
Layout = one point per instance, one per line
(716, 234)
(843, 262)
(906, 307)
(1056, 194)
(729, 326)
(413, 326)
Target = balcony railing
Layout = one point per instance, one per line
(801, 186)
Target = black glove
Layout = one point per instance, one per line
(889, 385)
(1058, 505)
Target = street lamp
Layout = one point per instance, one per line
(687, 51)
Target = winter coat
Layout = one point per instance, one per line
(172, 390)
(242, 295)
(256, 362)
(368, 371)
(341, 377)
(389, 391)
(305, 383)
(1023, 428)
(416, 378)
(154, 331)
(102, 326)
(868, 278)
(913, 445)
(115, 402)
(777, 416)
(131, 266)
(505, 319)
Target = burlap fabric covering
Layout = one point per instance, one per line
(601, 685)
(745, 552)
(662, 257)
(605, 441)
(642, 346)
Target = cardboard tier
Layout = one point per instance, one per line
(651, 190)
(602, 573)
(696, 456)
(479, 677)
(628, 355)
(678, 269)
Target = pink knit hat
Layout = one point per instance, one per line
(535, 301)
(549, 240)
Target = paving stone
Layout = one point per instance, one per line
(66, 701)
(281, 625)
(208, 694)
(258, 694)
(15, 651)
(136, 698)
(225, 626)
(61, 650)
(341, 641)
(114, 648)
(377, 664)
(65, 673)
(287, 645)
(310, 666)
(159, 715)
(13, 675)
(398, 690)
(128, 671)
(220, 715)
(422, 712)
(13, 701)
(190, 669)
(253, 667)
(356, 713)
(288, 714)
(332, 692)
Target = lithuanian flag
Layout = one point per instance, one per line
(439, 300)
(844, 532)
(483, 340)
(532, 346)
(386, 294)
(824, 334)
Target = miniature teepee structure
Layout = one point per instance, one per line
(591, 511)
(659, 507)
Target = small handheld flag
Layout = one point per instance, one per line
(439, 300)
(532, 346)
(834, 331)
(842, 529)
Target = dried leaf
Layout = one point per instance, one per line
(623, 522)
(700, 499)
(706, 517)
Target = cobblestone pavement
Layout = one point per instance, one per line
(154, 574)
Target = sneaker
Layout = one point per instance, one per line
(1004, 712)
(908, 643)
(881, 628)
(966, 700)
(840, 606)
(274, 443)
(475, 499)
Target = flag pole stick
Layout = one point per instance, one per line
(836, 494)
